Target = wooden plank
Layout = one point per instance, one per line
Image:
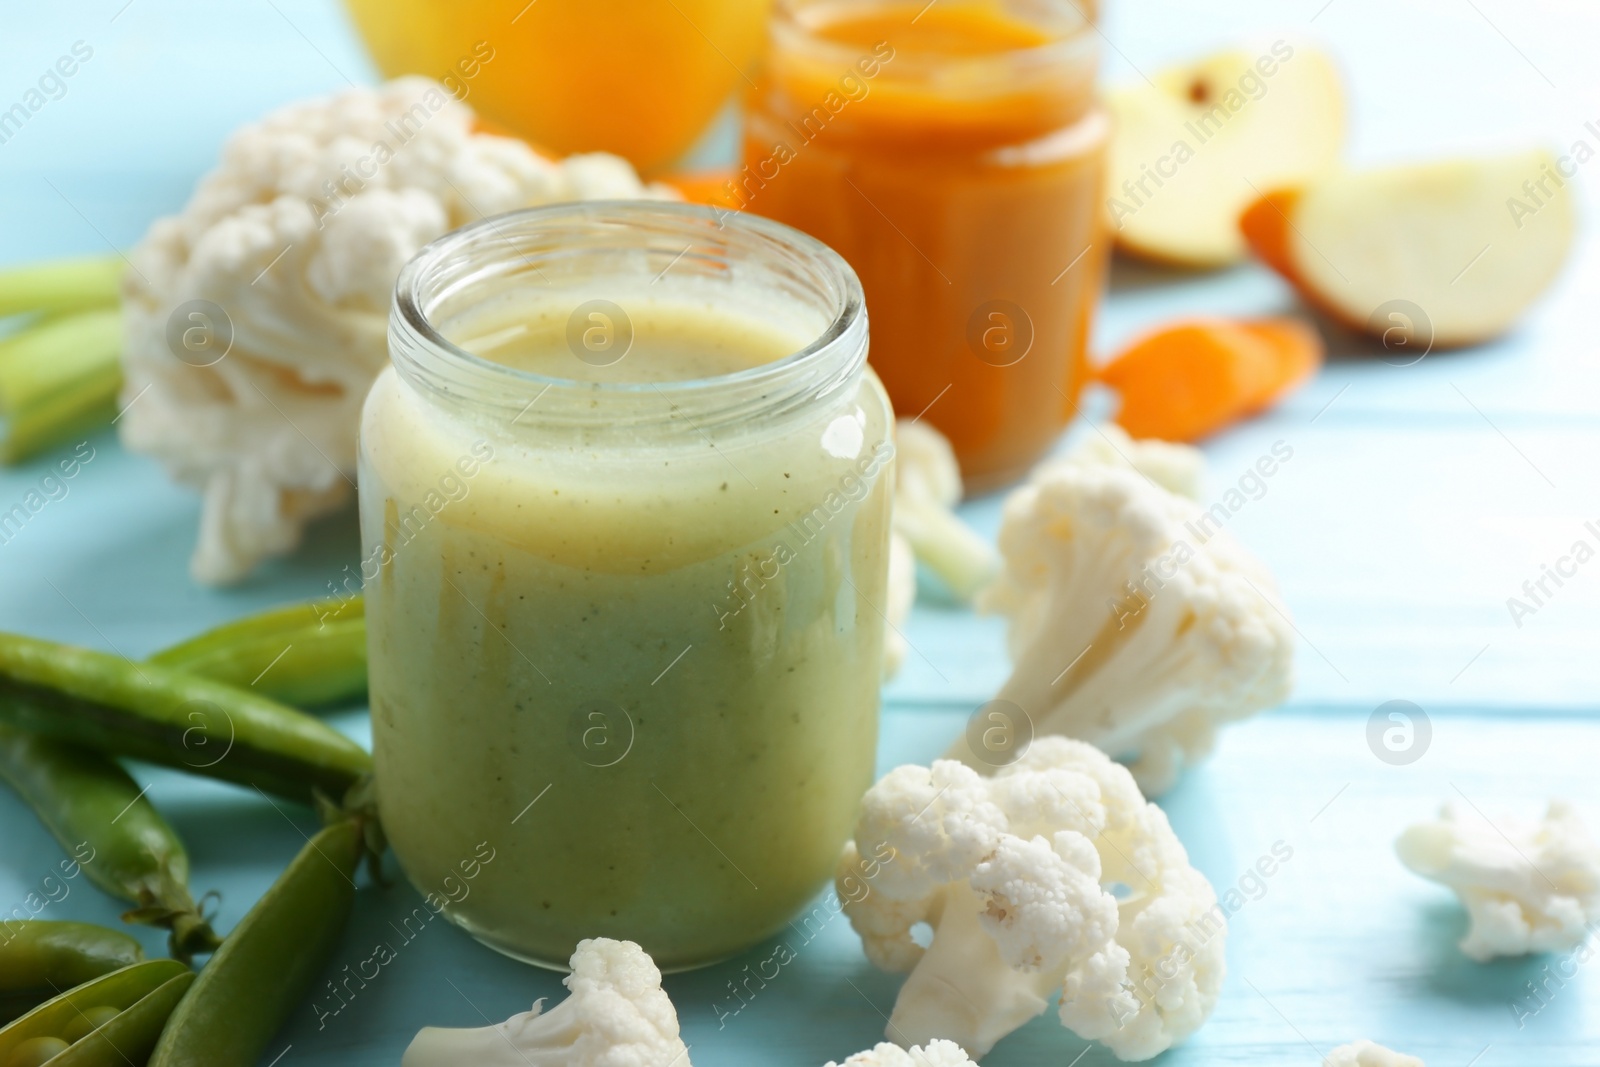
(1341, 942)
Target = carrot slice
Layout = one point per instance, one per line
(1296, 346)
(1187, 381)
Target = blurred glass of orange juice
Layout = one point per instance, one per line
(641, 78)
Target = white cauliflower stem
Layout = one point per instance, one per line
(902, 595)
(1137, 623)
(1367, 1054)
(617, 1016)
(1016, 874)
(927, 485)
(1527, 886)
(298, 237)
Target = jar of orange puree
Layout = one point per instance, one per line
(952, 152)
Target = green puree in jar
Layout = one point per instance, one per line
(636, 664)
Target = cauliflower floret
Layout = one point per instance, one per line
(902, 594)
(1137, 623)
(617, 1016)
(1015, 874)
(298, 236)
(1527, 886)
(1367, 1054)
(936, 1054)
(1176, 468)
(927, 485)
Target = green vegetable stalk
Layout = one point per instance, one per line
(84, 798)
(59, 379)
(57, 286)
(60, 373)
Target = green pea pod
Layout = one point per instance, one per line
(154, 713)
(129, 1036)
(288, 619)
(50, 1031)
(308, 655)
(38, 959)
(85, 800)
(270, 960)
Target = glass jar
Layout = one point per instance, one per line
(625, 635)
(954, 154)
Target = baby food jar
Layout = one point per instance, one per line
(625, 499)
(953, 153)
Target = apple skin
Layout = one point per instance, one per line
(1414, 235)
(1193, 148)
(1265, 225)
(1267, 228)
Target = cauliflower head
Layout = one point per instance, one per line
(1527, 886)
(927, 486)
(1136, 622)
(1176, 468)
(297, 237)
(1368, 1054)
(1054, 874)
(935, 1054)
(617, 1016)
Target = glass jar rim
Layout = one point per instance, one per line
(423, 355)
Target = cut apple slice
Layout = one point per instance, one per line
(1195, 149)
(1440, 254)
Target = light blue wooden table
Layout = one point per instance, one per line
(1417, 501)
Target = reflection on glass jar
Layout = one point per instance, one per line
(953, 153)
(626, 493)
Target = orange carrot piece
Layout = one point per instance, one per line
(1298, 350)
(1187, 381)
(1184, 382)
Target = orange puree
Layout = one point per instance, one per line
(953, 154)
(970, 30)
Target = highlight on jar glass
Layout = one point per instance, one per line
(641, 78)
(625, 503)
(953, 153)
